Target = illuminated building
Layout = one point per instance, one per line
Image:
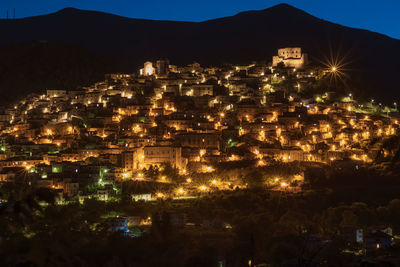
(290, 57)
(148, 69)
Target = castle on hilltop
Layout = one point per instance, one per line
(292, 57)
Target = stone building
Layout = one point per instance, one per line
(145, 157)
(162, 67)
(292, 57)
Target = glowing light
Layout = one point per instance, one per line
(203, 188)
(190, 92)
(233, 158)
(261, 163)
(261, 136)
(209, 169)
(149, 70)
(336, 64)
(181, 191)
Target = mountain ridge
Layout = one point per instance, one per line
(280, 7)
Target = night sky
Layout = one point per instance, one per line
(376, 15)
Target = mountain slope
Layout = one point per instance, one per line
(245, 37)
(35, 67)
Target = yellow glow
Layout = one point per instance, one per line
(285, 158)
(190, 92)
(365, 135)
(233, 158)
(181, 191)
(364, 157)
(261, 136)
(209, 168)
(278, 132)
(203, 188)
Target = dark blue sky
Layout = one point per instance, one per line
(376, 15)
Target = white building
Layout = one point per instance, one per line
(148, 69)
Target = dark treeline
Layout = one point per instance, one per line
(273, 227)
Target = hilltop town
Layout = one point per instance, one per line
(168, 144)
(191, 120)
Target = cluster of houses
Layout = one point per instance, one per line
(83, 142)
(189, 117)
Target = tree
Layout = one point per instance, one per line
(281, 65)
(152, 173)
(349, 219)
(254, 179)
(169, 171)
